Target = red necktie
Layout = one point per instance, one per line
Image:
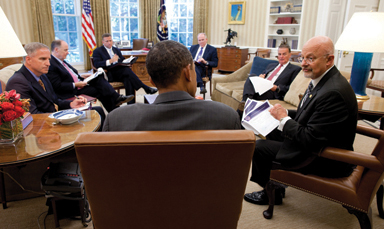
(274, 73)
(74, 76)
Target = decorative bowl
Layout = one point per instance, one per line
(67, 116)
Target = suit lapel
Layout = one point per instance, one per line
(62, 68)
(36, 84)
(206, 52)
(313, 94)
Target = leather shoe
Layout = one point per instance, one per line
(261, 197)
(203, 90)
(150, 90)
(123, 99)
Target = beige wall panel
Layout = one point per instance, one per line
(251, 34)
(19, 15)
(308, 21)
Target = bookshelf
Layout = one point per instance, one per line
(284, 15)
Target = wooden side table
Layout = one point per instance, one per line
(372, 109)
(231, 58)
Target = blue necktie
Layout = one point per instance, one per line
(200, 54)
(309, 90)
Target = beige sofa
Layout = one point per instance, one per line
(228, 89)
(8, 71)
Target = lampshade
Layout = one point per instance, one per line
(10, 45)
(364, 33)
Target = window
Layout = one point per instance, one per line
(180, 17)
(67, 24)
(124, 19)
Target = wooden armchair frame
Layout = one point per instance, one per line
(377, 85)
(355, 193)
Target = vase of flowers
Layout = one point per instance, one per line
(12, 109)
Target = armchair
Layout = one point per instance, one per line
(355, 193)
(376, 84)
(165, 179)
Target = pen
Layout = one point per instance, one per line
(77, 97)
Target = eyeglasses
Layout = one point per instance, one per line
(309, 60)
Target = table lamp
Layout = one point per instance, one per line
(10, 44)
(364, 35)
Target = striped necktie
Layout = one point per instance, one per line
(74, 76)
(308, 92)
(274, 72)
(43, 86)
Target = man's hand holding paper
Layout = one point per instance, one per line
(261, 85)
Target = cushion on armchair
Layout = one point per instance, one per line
(259, 65)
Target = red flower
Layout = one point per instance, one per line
(17, 103)
(9, 115)
(7, 106)
(19, 111)
(1, 119)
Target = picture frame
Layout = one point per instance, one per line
(236, 13)
(150, 44)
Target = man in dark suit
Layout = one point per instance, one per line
(326, 116)
(108, 57)
(67, 82)
(32, 83)
(281, 74)
(204, 55)
(171, 68)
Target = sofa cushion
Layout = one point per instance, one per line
(228, 88)
(299, 85)
(259, 65)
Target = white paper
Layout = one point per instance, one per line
(256, 117)
(85, 107)
(261, 85)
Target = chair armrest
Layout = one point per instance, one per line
(351, 157)
(373, 71)
(239, 75)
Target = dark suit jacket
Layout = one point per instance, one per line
(210, 55)
(61, 79)
(175, 110)
(41, 101)
(283, 81)
(328, 117)
(100, 57)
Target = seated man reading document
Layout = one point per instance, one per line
(280, 74)
(172, 70)
(32, 83)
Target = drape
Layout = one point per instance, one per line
(200, 18)
(43, 30)
(148, 19)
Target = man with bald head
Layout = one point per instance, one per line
(326, 116)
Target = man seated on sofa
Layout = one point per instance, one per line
(326, 117)
(205, 55)
(32, 83)
(281, 74)
(67, 82)
(172, 70)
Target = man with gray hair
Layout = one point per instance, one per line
(32, 83)
(171, 68)
(203, 55)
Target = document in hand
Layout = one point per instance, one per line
(261, 85)
(91, 77)
(256, 117)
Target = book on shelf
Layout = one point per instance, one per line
(256, 117)
(271, 43)
(294, 44)
(274, 10)
(284, 20)
(297, 8)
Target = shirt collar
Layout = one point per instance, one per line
(317, 80)
(33, 74)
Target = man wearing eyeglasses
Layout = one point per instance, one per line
(326, 116)
(281, 74)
